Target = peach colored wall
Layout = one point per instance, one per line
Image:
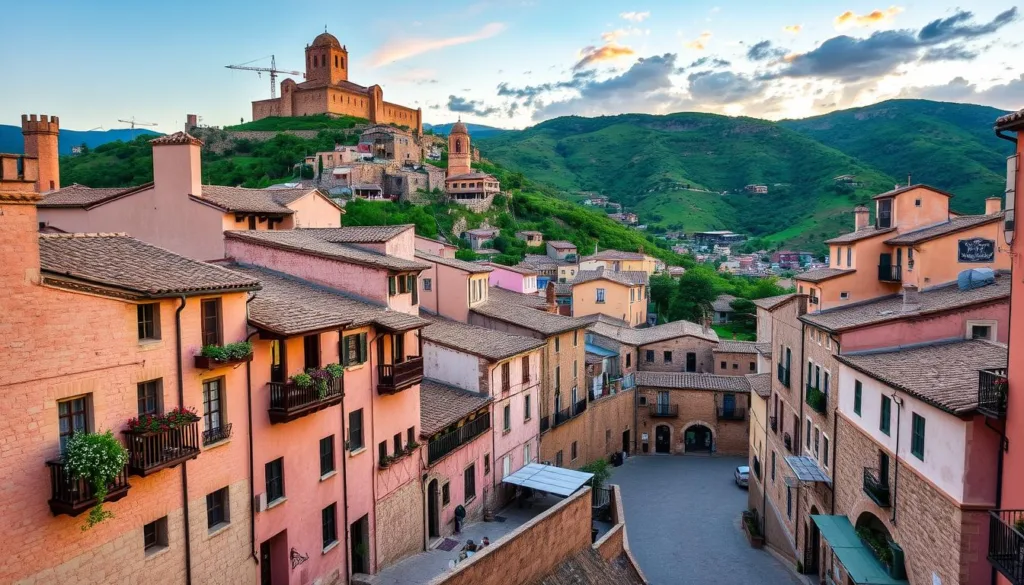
(862, 284)
(177, 169)
(428, 298)
(450, 470)
(617, 303)
(451, 287)
(981, 459)
(403, 245)
(935, 262)
(435, 248)
(932, 328)
(1013, 478)
(907, 216)
(315, 211)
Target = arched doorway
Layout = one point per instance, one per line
(662, 439)
(697, 439)
(879, 541)
(433, 519)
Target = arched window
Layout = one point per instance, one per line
(314, 60)
(458, 146)
(335, 61)
(342, 62)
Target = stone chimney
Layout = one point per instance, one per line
(861, 216)
(177, 164)
(993, 205)
(549, 294)
(911, 302)
(41, 134)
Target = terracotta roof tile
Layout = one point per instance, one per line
(1011, 120)
(368, 234)
(770, 303)
(76, 195)
(442, 405)
(823, 274)
(528, 318)
(723, 303)
(242, 200)
(470, 267)
(861, 234)
(470, 176)
(760, 384)
(730, 346)
(615, 255)
(944, 375)
(906, 188)
(122, 262)
(561, 244)
(520, 269)
(648, 335)
(178, 137)
(327, 242)
(625, 278)
(692, 381)
(511, 297)
(489, 344)
(954, 225)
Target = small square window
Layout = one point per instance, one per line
(735, 366)
(981, 332)
(218, 509)
(154, 536)
(643, 401)
(649, 356)
(150, 395)
(426, 284)
(149, 321)
(724, 365)
(668, 357)
(843, 296)
(917, 202)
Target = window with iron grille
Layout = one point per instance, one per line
(218, 510)
(149, 321)
(211, 322)
(150, 396)
(275, 479)
(326, 455)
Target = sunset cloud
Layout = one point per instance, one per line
(406, 48)
(701, 42)
(609, 52)
(614, 35)
(849, 19)
(635, 16)
(793, 29)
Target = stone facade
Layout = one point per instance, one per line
(670, 355)
(399, 524)
(695, 408)
(610, 419)
(735, 364)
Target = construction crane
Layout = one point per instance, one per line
(133, 122)
(272, 70)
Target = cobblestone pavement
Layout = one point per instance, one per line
(683, 523)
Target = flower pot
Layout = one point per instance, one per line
(202, 362)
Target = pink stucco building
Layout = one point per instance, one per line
(451, 287)
(515, 278)
(178, 212)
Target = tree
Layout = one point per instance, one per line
(320, 167)
(663, 291)
(695, 295)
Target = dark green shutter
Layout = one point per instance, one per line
(413, 286)
(362, 348)
(344, 350)
(392, 286)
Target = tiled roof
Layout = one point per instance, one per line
(563, 289)
(890, 308)
(944, 375)
(648, 335)
(367, 234)
(954, 225)
(178, 137)
(497, 294)
(625, 278)
(241, 200)
(442, 405)
(823, 274)
(532, 319)
(692, 381)
(121, 262)
(485, 232)
(899, 190)
(615, 255)
(602, 318)
(561, 244)
(517, 269)
(764, 348)
(324, 242)
(289, 306)
(76, 195)
(489, 344)
(729, 346)
(770, 303)
(1010, 120)
(760, 383)
(470, 176)
(722, 303)
(543, 263)
(470, 267)
(435, 240)
(861, 234)
(588, 567)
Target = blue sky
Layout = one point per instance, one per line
(510, 63)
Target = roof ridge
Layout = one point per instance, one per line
(94, 235)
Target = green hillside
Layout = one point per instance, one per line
(950, 146)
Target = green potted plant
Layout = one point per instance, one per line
(335, 371)
(385, 462)
(302, 380)
(97, 458)
(213, 356)
(411, 446)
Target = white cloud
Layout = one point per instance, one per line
(410, 47)
(635, 16)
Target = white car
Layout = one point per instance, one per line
(742, 475)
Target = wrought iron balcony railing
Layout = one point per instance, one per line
(993, 390)
(1006, 544)
(875, 488)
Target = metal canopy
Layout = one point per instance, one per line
(859, 562)
(806, 469)
(550, 479)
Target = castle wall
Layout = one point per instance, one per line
(347, 103)
(401, 116)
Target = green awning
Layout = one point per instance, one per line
(859, 561)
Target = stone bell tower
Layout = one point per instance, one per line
(459, 152)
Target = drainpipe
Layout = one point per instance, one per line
(184, 465)
(835, 440)
(344, 465)
(248, 412)
(802, 388)
(896, 473)
(636, 404)
(373, 425)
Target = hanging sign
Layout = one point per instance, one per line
(976, 250)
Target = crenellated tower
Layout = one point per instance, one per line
(41, 134)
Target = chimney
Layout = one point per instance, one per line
(177, 164)
(993, 205)
(19, 236)
(910, 301)
(40, 134)
(860, 217)
(549, 294)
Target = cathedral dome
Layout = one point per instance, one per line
(326, 39)
(459, 128)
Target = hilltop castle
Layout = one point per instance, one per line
(327, 90)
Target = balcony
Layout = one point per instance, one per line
(782, 373)
(890, 273)
(787, 440)
(216, 435)
(449, 442)
(773, 422)
(289, 402)
(993, 387)
(816, 399)
(392, 378)
(74, 496)
(875, 488)
(663, 410)
(733, 413)
(151, 451)
(566, 414)
(1006, 544)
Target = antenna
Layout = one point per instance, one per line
(272, 70)
(133, 123)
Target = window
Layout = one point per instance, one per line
(506, 382)
(73, 415)
(981, 332)
(839, 256)
(211, 322)
(446, 494)
(526, 369)
(643, 401)
(382, 451)
(311, 350)
(557, 344)
(218, 511)
(149, 321)
(668, 357)
(527, 457)
(507, 418)
(469, 480)
(917, 202)
(355, 430)
(410, 435)
(691, 361)
(649, 356)
(558, 378)
(426, 284)
(558, 459)
(808, 433)
(858, 390)
(275, 479)
(526, 408)
(326, 455)
(574, 452)
(824, 447)
(817, 441)
(411, 287)
(789, 502)
(753, 366)
(917, 438)
(150, 397)
(773, 466)
(883, 423)
(329, 525)
(575, 368)
(735, 366)
(487, 463)
(724, 365)
(392, 286)
(576, 338)
(154, 536)
(600, 296)
(849, 257)
(353, 350)
(213, 407)
(397, 439)
(277, 365)
(629, 359)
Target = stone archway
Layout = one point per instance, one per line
(432, 513)
(697, 437)
(876, 534)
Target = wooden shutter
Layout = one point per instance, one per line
(362, 348)
(414, 289)
(392, 285)
(343, 349)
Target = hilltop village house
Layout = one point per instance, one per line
(327, 90)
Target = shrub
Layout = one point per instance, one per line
(214, 352)
(97, 458)
(601, 470)
(335, 370)
(238, 350)
(302, 380)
